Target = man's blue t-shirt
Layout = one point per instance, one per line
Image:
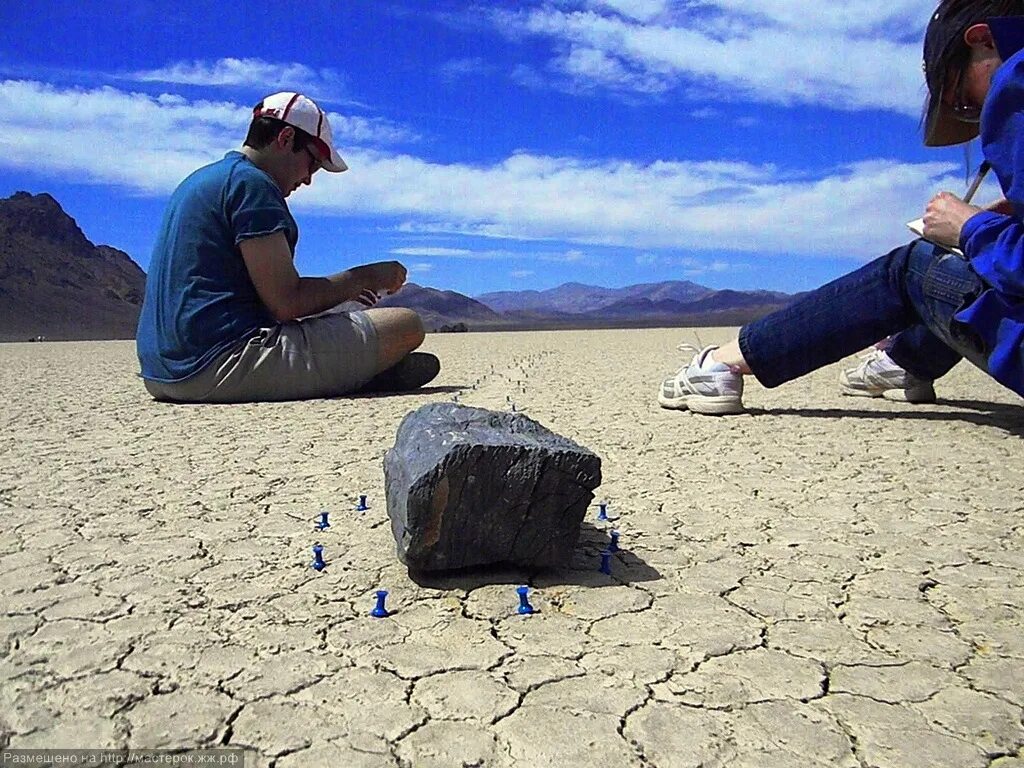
(199, 298)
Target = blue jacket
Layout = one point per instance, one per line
(994, 242)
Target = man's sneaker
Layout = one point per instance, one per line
(411, 372)
(878, 376)
(715, 392)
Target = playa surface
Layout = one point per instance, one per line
(823, 581)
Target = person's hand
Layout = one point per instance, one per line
(373, 280)
(944, 217)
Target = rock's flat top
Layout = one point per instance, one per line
(421, 433)
(824, 581)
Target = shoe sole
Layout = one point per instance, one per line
(415, 370)
(894, 395)
(703, 404)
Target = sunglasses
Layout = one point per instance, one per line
(965, 113)
(315, 163)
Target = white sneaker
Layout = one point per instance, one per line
(878, 376)
(714, 392)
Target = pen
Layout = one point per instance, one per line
(982, 170)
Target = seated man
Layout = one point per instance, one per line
(941, 306)
(226, 317)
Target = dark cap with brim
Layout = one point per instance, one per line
(943, 128)
(943, 45)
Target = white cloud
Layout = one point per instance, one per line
(863, 54)
(690, 267)
(568, 257)
(325, 84)
(855, 210)
(706, 113)
(456, 69)
(369, 130)
(430, 251)
(148, 144)
(852, 17)
(641, 10)
(421, 267)
(521, 273)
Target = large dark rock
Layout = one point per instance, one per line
(469, 487)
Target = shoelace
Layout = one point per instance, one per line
(866, 361)
(686, 347)
(873, 355)
(694, 352)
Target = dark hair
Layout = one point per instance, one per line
(955, 17)
(263, 131)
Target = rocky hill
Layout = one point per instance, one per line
(444, 309)
(56, 284)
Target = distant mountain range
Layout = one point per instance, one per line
(576, 298)
(56, 284)
(673, 302)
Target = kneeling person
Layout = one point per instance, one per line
(226, 317)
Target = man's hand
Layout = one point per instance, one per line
(372, 280)
(944, 217)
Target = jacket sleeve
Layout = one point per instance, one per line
(994, 243)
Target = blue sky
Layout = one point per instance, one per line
(502, 145)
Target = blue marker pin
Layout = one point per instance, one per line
(602, 511)
(322, 522)
(614, 545)
(362, 504)
(379, 611)
(318, 554)
(606, 563)
(524, 604)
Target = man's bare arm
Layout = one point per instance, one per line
(288, 296)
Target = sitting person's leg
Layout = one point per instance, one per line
(325, 355)
(901, 368)
(399, 368)
(399, 331)
(917, 283)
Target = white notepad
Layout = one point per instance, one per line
(917, 227)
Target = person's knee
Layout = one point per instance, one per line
(406, 328)
(416, 333)
(399, 332)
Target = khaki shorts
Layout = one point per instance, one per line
(321, 356)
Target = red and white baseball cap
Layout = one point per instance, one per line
(302, 112)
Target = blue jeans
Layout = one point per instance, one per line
(913, 291)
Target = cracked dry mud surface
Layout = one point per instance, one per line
(824, 581)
